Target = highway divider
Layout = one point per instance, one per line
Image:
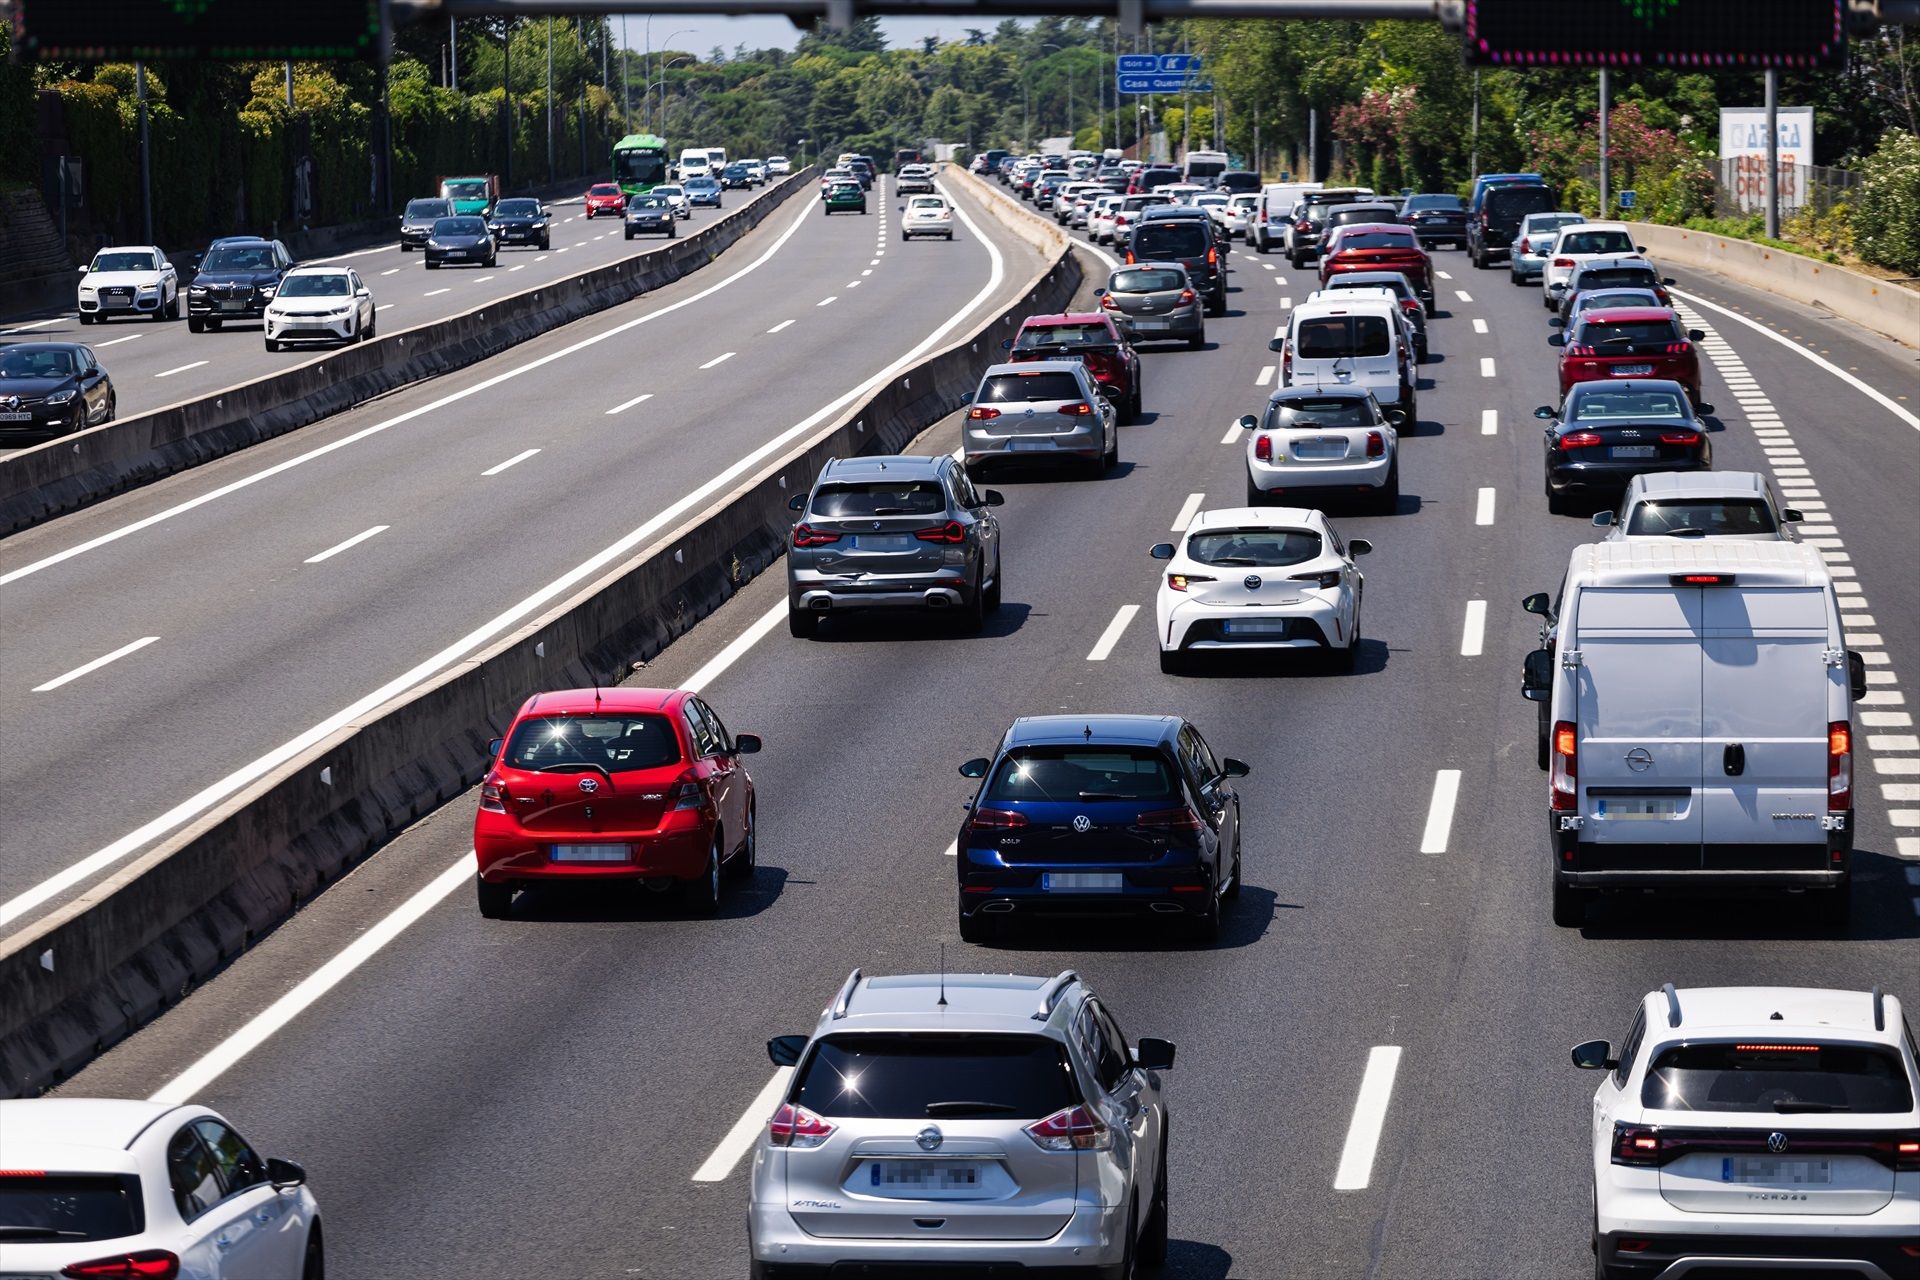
(73, 471)
(87, 975)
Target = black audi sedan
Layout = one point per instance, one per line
(236, 280)
(461, 239)
(48, 389)
(650, 213)
(1103, 815)
(520, 221)
(417, 222)
(1606, 433)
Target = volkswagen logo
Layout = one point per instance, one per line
(1251, 582)
(589, 785)
(930, 1138)
(1082, 823)
(1639, 759)
(1029, 413)
(1776, 1142)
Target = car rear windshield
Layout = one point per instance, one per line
(1710, 517)
(65, 1207)
(459, 227)
(1595, 242)
(1341, 215)
(1600, 402)
(1147, 281)
(1082, 772)
(1510, 204)
(1541, 223)
(1041, 337)
(1376, 240)
(1601, 298)
(1306, 412)
(1417, 203)
(566, 743)
(1341, 337)
(328, 284)
(1261, 548)
(1782, 1076)
(524, 208)
(1628, 335)
(243, 259)
(883, 498)
(427, 208)
(927, 202)
(1618, 277)
(921, 1077)
(1003, 388)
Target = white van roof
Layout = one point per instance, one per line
(1648, 564)
(1346, 302)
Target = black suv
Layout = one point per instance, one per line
(1186, 235)
(521, 221)
(236, 280)
(1498, 209)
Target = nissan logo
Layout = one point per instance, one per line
(930, 1138)
(1639, 759)
(589, 785)
(1082, 823)
(1776, 1142)
(1251, 582)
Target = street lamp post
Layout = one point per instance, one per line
(664, 46)
(661, 84)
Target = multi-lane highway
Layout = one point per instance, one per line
(570, 1092)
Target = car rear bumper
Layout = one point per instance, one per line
(1526, 264)
(1352, 477)
(1450, 232)
(926, 228)
(815, 592)
(1836, 1250)
(1092, 1246)
(1066, 446)
(1690, 868)
(523, 858)
(1611, 477)
(1312, 624)
(1187, 323)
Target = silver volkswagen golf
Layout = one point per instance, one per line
(963, 1121)
(1047, 412)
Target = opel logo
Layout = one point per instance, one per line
(1082, 823)
(589, 785)
(1776, 1142)
(930, 1138)
(1251, 582)
(1639, 759)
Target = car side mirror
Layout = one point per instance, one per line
(493, 748)
(1704, 408)
(1792, 516)
(1153, 1055)
(1231, 768)
(966, 397)
(1101, 292)
(786, 1050)
(1667, 280)
(798, 502)
(1359, 547)
(1556, 339)
(84, 270)
(1539, 602)
(166, 266)
(1276, 344)
(285, 1174)
(975, 768)
(1594, 1055)
(995, 498)
(1544, 413)
(1161, 551)
(1856, 674)
(1536, 676)
(363, 292)
(1006, 344)
(1249, 422)
(1696, 335)
(1556, 323)
(746, 744)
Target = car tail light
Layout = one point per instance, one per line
(1578, 440)
(1106, 300)
(1410, 305)
(805, 535)
(980, 413)
(1180, 819)
(1565, 771)
(1905, 1150)
(793, 1126)
(148, 1264)
(997, 819)
(1563, 262)
(952, 531)
(1286, 362)
(1526, 246)
(1303, 225)
(1688, 438)
(1263, 215)
(1079, 409)
(1263, 447)
(1071, 1129)
(1376, 444)
(686, 795)
(1636, 1144)
(1186, 295)
(1213, 256)
(1325, 581)
(1839, 765)
(1129, 257)
(493, 795)
(1181, 581)
(1679, 348)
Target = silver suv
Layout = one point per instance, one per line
(962, 1122)
(893, 533)
(1040, 411)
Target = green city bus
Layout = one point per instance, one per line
(639, 163)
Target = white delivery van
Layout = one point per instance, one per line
(1204, 167)
(716, 160)
(695, 164)
(1696, 723)
(1269, 222)
(1351, 339)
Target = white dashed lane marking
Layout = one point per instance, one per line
(95, 665)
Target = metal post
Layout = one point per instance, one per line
(386, 138)
(1186, 104)
(1313, 144)
(1256, 145)
(289, 84)
(1773, 154)
(1606, 165)
(626, 99)
(581, 39)
(1474, 163)
(506, 102)
(550, 171)
(453, 52)
(646, 74)
(146, 166)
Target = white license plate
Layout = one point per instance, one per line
(1631, 370)
(1026, 446)
(1256, 627)
(116, 302)
(16, 417)
(1151, 324)
(1638, 808)
(1083, 882)
(925, 1175)
(1799, 1173)
(883, 542)
(1320, 450)
(1632, 451)
(590, 853)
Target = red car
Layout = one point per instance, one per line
(637, 785)
(1109, 357)
(606, 197)
(1629, 342)
(1380, 246)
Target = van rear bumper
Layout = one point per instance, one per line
(1704, 868)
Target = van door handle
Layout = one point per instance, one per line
(1734, 760)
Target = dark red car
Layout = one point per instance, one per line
(1629, 342)
(1380, 246)
(606, 197)
(1091, 336)
(594, 785)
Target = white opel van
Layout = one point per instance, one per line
(1353, 339)
(695, 163)
(1696, 726)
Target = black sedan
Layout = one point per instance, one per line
(1436, 218)
(650, 213)
(737, 175)
(51, 388)
(521, 222)
(1606, 433)
(235, 281)
(461, 239)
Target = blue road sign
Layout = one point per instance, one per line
(1138, 64)
(1629, 199)
(1179, 63)
(1162, 84)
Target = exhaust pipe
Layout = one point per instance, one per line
(996, 908)
(1169, 908)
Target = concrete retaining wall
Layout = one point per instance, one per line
(1879, 305)
(74, 471)
(91, 973)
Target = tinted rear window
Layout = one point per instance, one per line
(1307, 412)
(884, 498)
(1070, 773)
(905, 1077)
(69, 1207)
(1170, 240)
(1618, 277)
(1007, 387)
(1375, 240)
(1417, 203)
(1596, 299)
(1628, 333)
(1510, 204)
(1035, 337)
(1595, 242)
(1598, 402)
(1712, 517)
(1146, 281)
(1783, 1077)
(613, 742)
(1335, 337)
(1250, 548)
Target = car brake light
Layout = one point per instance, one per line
(1326, 580)
(1181, 581)
(998, 819)
(1180, 819)
(493, 795)
(1840, 765)
(1526, 246)
(1071, 1129)
(980, 413)
(1688, 438)
(1410, 305)
(686, 795)
(793, 1126)
(1376, 444)
(1636, 1144)
(805, 535)
(1678, 348)
(1578, 440)
(1186, 295)
(1563, 262)
(1286, 362)
(952, 531)
(1213, 256)
(1701, 579)
(148, 1264)
(1303, 225)
(1079, 409)
(1263, 447)
(1129, 257)
(1565, 773)
(1906, 1159)
(1106, 300)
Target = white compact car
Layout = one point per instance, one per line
(320, 304)
(1259, 578)
(1237, 214)
(1744, 1131)
(1333, 442)
(779, 164)
(105, 1187)
(926, 216)
(130, 280)
(1100, 217)
(677, 197)
(1685, 506)
(1576, 243)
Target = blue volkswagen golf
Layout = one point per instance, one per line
(1100, 815)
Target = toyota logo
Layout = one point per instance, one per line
(1251, 582)
(1776, 1142)
(589, 785)
(930, 1138)
(1082, 823)
(1639, 759)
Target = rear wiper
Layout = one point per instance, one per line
(1792, 1108)
(1234, 560)
(40, 1233)
(889, 511)
(1614, 341)
(573, 766)
(1103, 795)
(967, 1108)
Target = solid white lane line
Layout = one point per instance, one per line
(628, 404)
(1369, 1118)
(1188, 510)
(745, 1131)
(354, 541)
(1483, 508)
(1111, 636)
(824, 301)
(95, 665)
(718, 360)
(32, 324)
(1479, 325)
(1266, 376)
(1446, 793)
(1489, 422)
(114, 342)
(736, 648)
(1473, 634)
(434, 293)
(522, 456)
(182, 369)
(777, 328)
(1486, 366)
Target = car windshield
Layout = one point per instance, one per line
(603, 189)
(612, 742)
(1375, 240)
(1263, 548)
(427, 209)
(125, 261)
(474, 190)
(36, 362)
(1004, 388)
(331, 284)
(929, 1076)
(1303, 412)
(880, 498)
(649, 202)
(1341, 337)
(666, 191)
(1628, 335)
(1081, 772)
(1416, 203)
(1614, 277)
(1040, 337)
(1599, 299)
(459, 227)
(1712, 517)
(1147, 281)
(523, 208)
(1601, 402)
(1594, 242)
(1778, 1077)
(248, 258)
(61, 1207)
(1171, 239)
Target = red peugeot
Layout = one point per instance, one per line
(1380, 246)
(637, 785)
(605, 197)
(1629, 342)
(1092, 337)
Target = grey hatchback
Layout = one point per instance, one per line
(893, 533)
(1151, 300)
(1040, 411)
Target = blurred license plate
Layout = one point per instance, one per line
(1083, 882)
(590, 853)
(16, 417)
(924, 1175)
(1320, 449)
(232, 304)
(1632, 451)
(1800, 1173)
(1632, 370)
(1256, 627)
(883, 542)
(1151, 324)
(1639, 808)
(1032, 444)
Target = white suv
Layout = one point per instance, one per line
(1757, 1130)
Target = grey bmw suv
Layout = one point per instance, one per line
(1040, 411)
(1000, 1124)
(893, 533)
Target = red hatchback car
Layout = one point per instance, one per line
(639, 785)
(1630, 342)
(1380, 246)
(1091, 336)
(606, 197)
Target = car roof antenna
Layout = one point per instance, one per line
(1086, 733)
(943, 976)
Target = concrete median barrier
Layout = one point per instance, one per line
(62, 475)
(87, 975)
